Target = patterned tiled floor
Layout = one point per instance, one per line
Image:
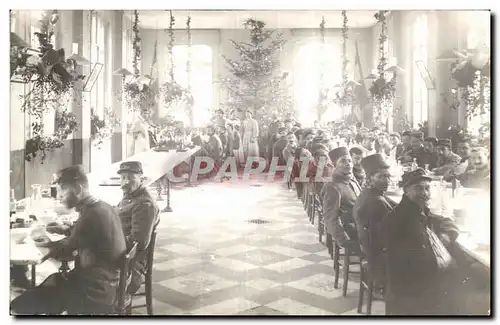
(209, 260)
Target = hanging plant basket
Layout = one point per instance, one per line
(102, 129)
(53, 79)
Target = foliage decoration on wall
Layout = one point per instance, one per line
(323, 96)
(472, 73)
(189, 97)
(382, 90)
(65, 124)
(345, 97)
(138, 92)
(171, 93)
(102, 129)
(52, 79)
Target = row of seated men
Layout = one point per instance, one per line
(396, 239)
(101, 236)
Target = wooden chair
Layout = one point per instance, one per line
(125, 280)
(321, 224)
(148, 281)
(348, 252)
(365, 283)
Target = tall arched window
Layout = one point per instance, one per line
(308, 69)
(201, 81)
(420, 53)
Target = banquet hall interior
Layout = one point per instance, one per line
(250, 162)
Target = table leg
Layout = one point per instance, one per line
(158, 190)
(168, 208)
(190, 172)
(33, 275)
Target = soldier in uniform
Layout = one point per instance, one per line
(397, 148)
(447, 159)
(339, 197)
(415, 282)
(139, 215)
(478, 175)
(430, 150)
(91, 288)
(370, 210)
(406, 140)
(417, 150)
(464, 151)
(357, 155)
(280, 145)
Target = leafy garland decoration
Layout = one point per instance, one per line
(323, 100)
(102, 129)
(189, 97)
(473, 79)
(382, 91)
(65, 124)
(52, 79)
(346, 96)
(171, 92)
(139, 96)
(136, 44)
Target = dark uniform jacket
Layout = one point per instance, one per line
(278, 148)
(445, 164)
(370, 210)
(139, 215)
(99, 240)
(359, 174)
(414, 280)
(430, 158)
(338, 199)
(418, 154)
(476, 178)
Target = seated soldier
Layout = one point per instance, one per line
(98, 238)
(447, 160)
(478, 175)
(139, 216)
(357, 155)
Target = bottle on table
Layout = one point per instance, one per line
(12, 202)
(53, 187)
(414, 164)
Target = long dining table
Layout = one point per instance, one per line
(102, 185)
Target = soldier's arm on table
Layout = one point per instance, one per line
(444, 225)
(331, 214)
(143, 222)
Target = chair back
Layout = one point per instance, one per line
(151, 252)
(125, 276)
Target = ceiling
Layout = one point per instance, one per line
(232, 19)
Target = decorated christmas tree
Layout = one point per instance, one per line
(257, 83)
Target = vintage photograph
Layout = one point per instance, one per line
(250, 162)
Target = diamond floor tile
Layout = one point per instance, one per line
(209, 260)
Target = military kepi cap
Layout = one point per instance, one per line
(130, 167)
(373, 163)
(336, 153)
(414, 177)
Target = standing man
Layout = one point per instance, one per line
(370, 211)
(139, 215)
(250, 136)
(339, 197)
(98, 238)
